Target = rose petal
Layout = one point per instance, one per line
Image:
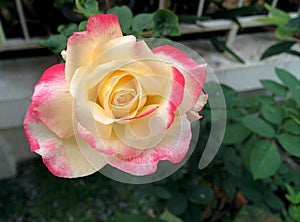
(194, 74)
(84, 47)
(130, 50)
(52, 102)
(167, 109)
(173, 147)
(201, 102)
(142, 132)
(193, 114)
(110, 146)
(63, 157)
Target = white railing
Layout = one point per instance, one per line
(28, 42)
(222, 24)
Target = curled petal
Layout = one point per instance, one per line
(193, 114)
(194, 74)
(52, 101)
(111, 146)
(84, 47)
(173, 147)
(63, 157)
(144, 132)
(129, 50)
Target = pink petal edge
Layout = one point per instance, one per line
(146, 163)
(100, 29)
(176, 95)
(32, 119)
(62, 157)
(52, 102)
(194, 73)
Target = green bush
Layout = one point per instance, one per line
(255, 174)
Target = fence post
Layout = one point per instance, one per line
(2, 35)
(230, 38)
(22, 19)
(162, 4)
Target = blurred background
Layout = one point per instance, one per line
(252, 46)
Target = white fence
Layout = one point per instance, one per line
(223, 24)
(28, 42)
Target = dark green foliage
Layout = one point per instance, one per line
(165, 23)
(57, 43)
(247, 179)
(286, 27)
(87, 7)
(221, 47)
(124, 15)
(161, 23)
(255, 214)
(280, 47)
(264, 159)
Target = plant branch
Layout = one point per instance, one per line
(290, 162)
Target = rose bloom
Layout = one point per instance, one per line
(114, 101)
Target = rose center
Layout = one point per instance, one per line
(123, 97)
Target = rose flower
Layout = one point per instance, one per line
(114, 101)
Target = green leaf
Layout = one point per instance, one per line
(255, 214)
(284, 32)
(271, 113)
(235, 133)
(259, 126)
(264, 160)
(200, 195)
(267, 99)
(278, 13)
(273, 20)
(229, 185)
(232, 162)
(292, 127)
(166, 23)
(138, 218)
(234, 114)
(291, 195)
(294, 212)
(56, 43)
(245, 150)
(125, 16)
(290, 143)
(177, 204)
(82, 26)
(286, 77)
(277, 48)
(248, 187)
(221, 47)
(67, 30)
(142, 22)
(169, 217)
(228, 91)
(273, 201)
(276, 88)
(154, 42)
(291, 110)
(89, 7)
(293, 52)
(294, 23)
(162, 193)
(291, 82)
